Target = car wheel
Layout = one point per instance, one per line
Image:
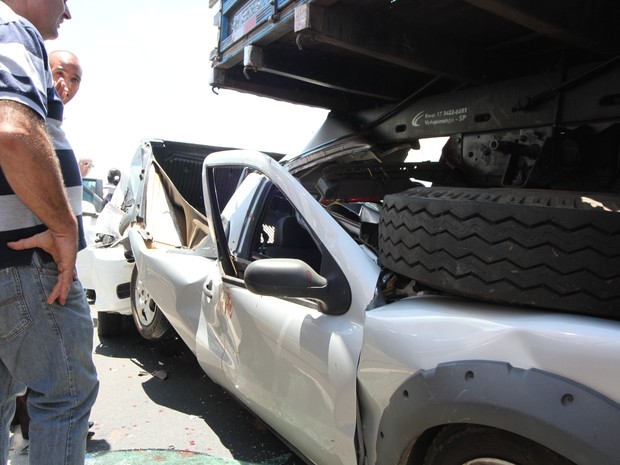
(109, 324)
(148, 318)
(549, 249)
(480, 445)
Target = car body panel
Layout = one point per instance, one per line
(106, 271)
(440, 328)
(436, 329)
(174, 280)
(290, 364)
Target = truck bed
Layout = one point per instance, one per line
(352, 55)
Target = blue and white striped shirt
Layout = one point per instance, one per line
(25, 77)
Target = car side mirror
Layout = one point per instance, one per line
(289, 277)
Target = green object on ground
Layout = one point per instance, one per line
(176, 457)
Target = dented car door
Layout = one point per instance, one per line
(290, 359)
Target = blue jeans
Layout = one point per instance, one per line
(49, 349)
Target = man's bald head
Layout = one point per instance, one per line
(67, 73)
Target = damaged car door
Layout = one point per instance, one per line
(281, 323)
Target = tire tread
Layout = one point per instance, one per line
(510, 246)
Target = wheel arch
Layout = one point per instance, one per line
(566, 417)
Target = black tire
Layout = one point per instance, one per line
(549, 249)
(479, 445)
(109, 324)
(147, 316)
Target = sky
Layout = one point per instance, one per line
(146, 71)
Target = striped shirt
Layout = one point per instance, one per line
(25, 77)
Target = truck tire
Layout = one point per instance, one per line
(480, 445)
(147, 316)
(548, 249)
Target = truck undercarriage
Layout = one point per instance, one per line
(526, 89)
(524, 199)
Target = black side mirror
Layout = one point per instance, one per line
(288, 277)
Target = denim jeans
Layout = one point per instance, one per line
(49, 349)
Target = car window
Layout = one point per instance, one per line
(260, 222)
(282, 233)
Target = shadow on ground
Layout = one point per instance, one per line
(181, 385)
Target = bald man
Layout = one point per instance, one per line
(67, 74)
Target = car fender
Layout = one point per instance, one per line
(569, 418)
(414, 336)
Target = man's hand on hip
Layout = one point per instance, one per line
(63, 249)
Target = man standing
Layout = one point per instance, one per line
(45, 324)
(67, 75)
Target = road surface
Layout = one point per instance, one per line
(156, 405)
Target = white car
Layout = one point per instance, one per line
(286, 304)
(146, 193)
(104, 266)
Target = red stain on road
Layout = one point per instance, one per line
(173, 457)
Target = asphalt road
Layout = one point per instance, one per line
(155, 404)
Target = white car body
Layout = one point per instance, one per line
(105, 267)
(368, 382)
(106, 270)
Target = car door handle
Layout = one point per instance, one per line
(208, 289)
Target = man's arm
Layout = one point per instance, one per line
(31, 167)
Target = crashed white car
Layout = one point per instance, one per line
(285, 301)
(103, 266)
(146, 192)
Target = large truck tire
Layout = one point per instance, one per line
(548, 249)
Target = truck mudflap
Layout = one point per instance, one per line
(566, 417)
